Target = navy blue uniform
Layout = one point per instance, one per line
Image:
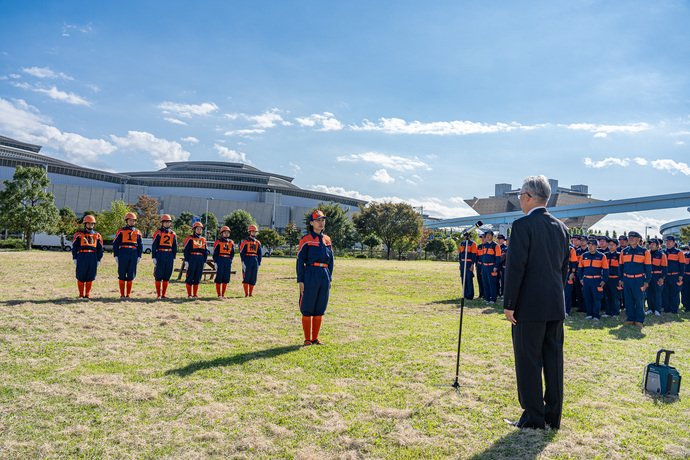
(195, 252)
(314, 269)
(250, 253)
(656, 285)
(467, 253)
(127, 248)
(636, 270)
(594, 273)
(223, 252)
(164, 250)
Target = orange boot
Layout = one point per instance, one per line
(306, 327)
(165, 289)
(251, 290)
(87, 291)
(158, 289)
(196, 290)
(129, 288)
(122, 288)
(246, 289)
(218, 289)
(189, 290)
(225, 286)
(81, 289)
(315, 327)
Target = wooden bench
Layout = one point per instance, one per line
(206, 271)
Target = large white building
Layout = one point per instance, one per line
(190, 186)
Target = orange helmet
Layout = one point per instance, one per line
(131, 215)
(89, 218)
(224, 228)
(197, 224)
(252, 227)
(165, 217)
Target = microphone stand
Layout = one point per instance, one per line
(463, 279)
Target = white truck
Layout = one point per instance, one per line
(45, 242)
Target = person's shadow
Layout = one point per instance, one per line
(232, 360)
(520, 444)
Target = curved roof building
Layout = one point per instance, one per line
(272, 199)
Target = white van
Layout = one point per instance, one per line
(45, 242)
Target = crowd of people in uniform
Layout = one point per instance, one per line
(606, 275)
(314, 263)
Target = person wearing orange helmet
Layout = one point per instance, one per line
(87, 252)
(250, 253)
(314, 272)
(163, 252)
(127, 249)
(195, 254)
(223, 252)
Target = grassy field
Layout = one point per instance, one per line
(107, 378)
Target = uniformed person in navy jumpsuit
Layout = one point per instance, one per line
(87, 252)
(250, 254)
(314, 272)
(195, 254)
(593, 272)
(636, 273)
(467, 257)
(223, 252)
(127, 249)
(163, 252)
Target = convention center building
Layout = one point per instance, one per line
(187, 186)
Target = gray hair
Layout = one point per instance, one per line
(538, 187)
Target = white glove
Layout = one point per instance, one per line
(186, 265)
(75, 261)
(138, 259)
(155, 262)
(98, 263)
(117, 261)
(244, 267)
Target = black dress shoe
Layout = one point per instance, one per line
(516, 423)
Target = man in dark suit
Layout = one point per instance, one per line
(534, 303)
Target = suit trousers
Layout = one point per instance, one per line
(538, 346)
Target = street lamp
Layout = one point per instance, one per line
(645, 231)
(206, 224)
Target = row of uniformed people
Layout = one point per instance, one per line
(489, 258)
(604, 269)
(87, 252)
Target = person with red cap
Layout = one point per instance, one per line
(223, 252)
(250, 254)
(163, 252)
(127, 249)
(314, 274)
(87, 252)
(195, 254)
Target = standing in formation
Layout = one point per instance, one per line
(659, 272)
(250, 254)
(593, 270)
(195, 254)
(686, 278)
(467, 256)
(612, 291)
(636, 273)
(674, 281)
(314, 272)
(223, 252)
(491, 262)
(127, 249)
(87, 252)
(163, 252)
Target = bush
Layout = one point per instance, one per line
(278, 253)
(12, 243)
(361, 256)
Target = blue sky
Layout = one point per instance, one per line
(423, 102)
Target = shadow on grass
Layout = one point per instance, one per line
(662, 400)
(84, 302)
(523, 444)
(232, 360)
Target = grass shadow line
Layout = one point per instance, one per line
(523, 444)
(232, 360)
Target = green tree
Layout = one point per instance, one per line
(184, 219)
(238, 221)
(371, 242)
(212, 226)
(614, 234)
(183, 231)
(390, 222)
(292, 235)
(26, 206)
(270, 239)
(338, 226)
(685, 234)
(108, 222)
(67, 226)
(436, 246)
(403, 245)
(146, 210)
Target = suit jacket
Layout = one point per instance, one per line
(537, 267)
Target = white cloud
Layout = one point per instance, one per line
(679, 133)
(327, 122)
(671, 166)
(641, 161)
(607, 162)
(608, 129)
(190, 139)
(55, 93)
(45, 72)
(175, 121)
(295, 167)
(245, 132)
(679, 143)
(23, 122)
(400, 126)
(382, 176)
(600, 135)
(632, 221)
(434, 207)
(161, 150)
(15, 76)
(268, 119)
(231, 155)
(188, 110)
(68, 28)
(394, 162)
